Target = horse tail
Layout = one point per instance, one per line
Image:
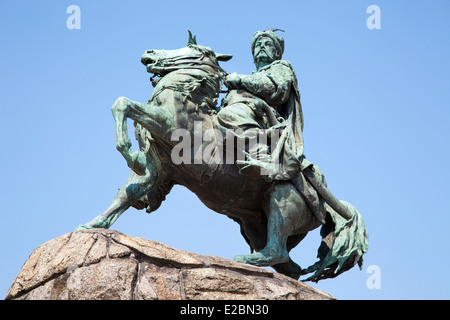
(344, 243)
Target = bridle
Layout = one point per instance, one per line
(191, 61)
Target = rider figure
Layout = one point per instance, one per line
(266, 100)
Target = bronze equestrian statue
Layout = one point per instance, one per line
(244, 159)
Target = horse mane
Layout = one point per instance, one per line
(207, 51)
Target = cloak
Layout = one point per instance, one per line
(289, 152)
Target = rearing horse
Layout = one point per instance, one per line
(273, 216)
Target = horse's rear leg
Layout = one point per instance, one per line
(136, 187)
(288, 215)
(275, 250)
(153, 118)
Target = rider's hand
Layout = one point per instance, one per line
(232, 81)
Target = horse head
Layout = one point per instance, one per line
(193, 56)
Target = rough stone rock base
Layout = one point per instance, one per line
(102, 264)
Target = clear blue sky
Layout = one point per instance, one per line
(376, 108)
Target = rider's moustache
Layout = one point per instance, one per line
(267, 54)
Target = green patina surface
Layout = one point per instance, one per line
(276, 209)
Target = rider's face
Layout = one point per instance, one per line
(265, 50)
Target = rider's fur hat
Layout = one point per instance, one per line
(278, 41)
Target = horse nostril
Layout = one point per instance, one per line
(145, 58)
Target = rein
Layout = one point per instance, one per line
(174, 64)
(208, 64)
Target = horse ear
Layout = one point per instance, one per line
(223, 57)
(191, 40)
